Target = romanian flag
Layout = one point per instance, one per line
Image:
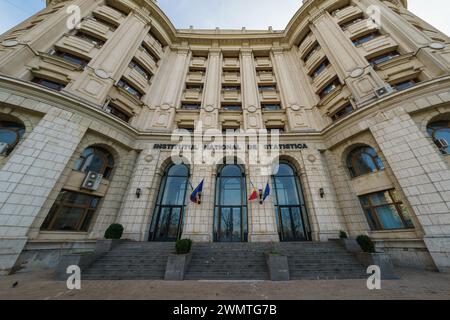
(254, 194)
(196, 195)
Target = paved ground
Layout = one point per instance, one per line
(414, 284)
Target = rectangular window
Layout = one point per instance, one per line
(91, 39)
(342, 112)
(383, 58)
(329, 89)
(320, 69)
(405, 84)
(140, 69)
(311, 52)
(71, 212)
(190, 106)
(70, 58)
(194, 87)
(128, 88)
(366, 38)
(231, 88)
(385, 211)
(271, 106)
(117, 112)
(232, 107)
(49, 84)
(275, 130)
(267, 88)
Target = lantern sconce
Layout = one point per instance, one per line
(138, 192)
(322, 192)
(261, 196)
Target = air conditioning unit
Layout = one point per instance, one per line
(92, 181)
(384, 91)
(3, 148)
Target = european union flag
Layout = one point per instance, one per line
(196, 195)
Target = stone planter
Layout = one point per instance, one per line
(177, 265)
(83, 260)
(278, 267)
(350, 245)
(382, 260)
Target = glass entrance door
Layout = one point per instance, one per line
(291, 224)
(168, 225)
(230, 227)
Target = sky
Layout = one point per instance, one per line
(228, 14)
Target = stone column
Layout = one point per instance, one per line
(209, 115)
(108, 66)
(164, 114)
(423, 176)
(29, 176)
(262, 223)
(409, 37)
(296, 101)
(39, 38)
(250, 94)
(324, 213)
(350, 66)
(199, 219)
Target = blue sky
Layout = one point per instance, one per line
(253, 14)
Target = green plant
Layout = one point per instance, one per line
(343, 235)
(183, 246)
(366, 244)
(114, 232)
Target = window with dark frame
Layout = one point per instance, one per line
(82, 62)
(71, 212)
(329, 88)
(385, 211)
(383, 58)
(130, 89)
(95, 159)
(117, 112)
(140, 69)
(363, 160)
(49, 84)
(366, 38)
(342, 112)
(440, 132)
(89, 38)
(10, 135)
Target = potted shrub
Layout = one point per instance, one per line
(351, 245)
(369, 257)
(178, 263)
(278, 266)
(112, 238)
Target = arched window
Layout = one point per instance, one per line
(292, 218)
(168, 215)
(364, 160)
(440, 132)
(10, 135)
(230, 214)
(97, 160)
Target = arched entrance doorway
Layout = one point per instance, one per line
(291, 213)
(230, 211)
(170, 206)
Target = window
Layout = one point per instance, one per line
(366, 38)
(128, 88)
(267, 88)
(329, 88)
(440, 132)
(87, 37)
(70, 58)
(117, 112)
(71, 212)
(190, 106)
(97, 160)
(364, 160)
(190, 129)
(267, 106)
(49, 84)
(232, 107)
(320, 69)
(342, 112)
(150, 53)
(230, 210)
(311, 52)
(140, 69)
(276, 130)
(383, 58)
(194, 87)
(10, 135)
(231, 88)
(290, 208)
(405, 84)
(170, 206)
(385, 211)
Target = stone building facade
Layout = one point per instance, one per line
(359, 89)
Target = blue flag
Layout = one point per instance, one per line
(266, 192)
(196, 195)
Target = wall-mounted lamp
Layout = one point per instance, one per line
(322, 192)
(199, 197)
(261, 196)
(138, 192)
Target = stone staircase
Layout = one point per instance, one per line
(132, 261)
(227, 261)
